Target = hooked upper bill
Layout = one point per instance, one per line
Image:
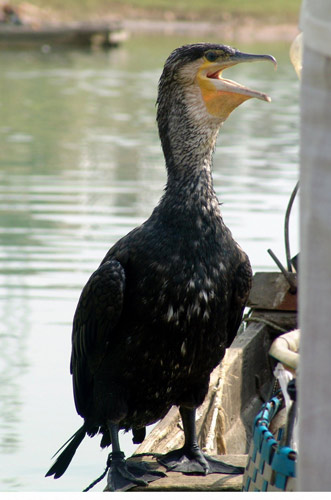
(215, 69)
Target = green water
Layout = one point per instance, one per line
(81, 165)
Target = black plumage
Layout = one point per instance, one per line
(157, 315)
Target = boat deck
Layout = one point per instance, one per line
(176, 481)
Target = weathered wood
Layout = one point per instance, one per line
(175, 481)
(272, 291)
(286, 320)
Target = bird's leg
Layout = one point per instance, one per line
(124, 475)
(190, 459)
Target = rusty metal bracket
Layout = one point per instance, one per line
(287, 275)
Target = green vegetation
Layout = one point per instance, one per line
(278, 10)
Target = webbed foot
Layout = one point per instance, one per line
(191, 460)
(124, 475)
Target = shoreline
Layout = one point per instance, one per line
(139, 21)
(248, 30)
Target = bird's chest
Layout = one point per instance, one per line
(190, 296)
(176, 318)
(187, 298)
(177, 302)
(186, 331)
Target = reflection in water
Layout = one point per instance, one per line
(81, 165)
(13, 357)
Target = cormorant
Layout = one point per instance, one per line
(155, 318)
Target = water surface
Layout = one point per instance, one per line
(81, 165)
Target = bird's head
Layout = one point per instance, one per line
(195, 72)
(194, 100)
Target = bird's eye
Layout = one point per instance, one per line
(211, 56)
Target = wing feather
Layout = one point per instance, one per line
(98, 312)
(242, 286)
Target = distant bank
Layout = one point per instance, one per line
(279, 11)
(247, 31)
(255, 20)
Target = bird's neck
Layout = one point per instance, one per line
(188, 146)
(190, 199)
(191, 181)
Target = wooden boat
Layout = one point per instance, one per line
(69, 34)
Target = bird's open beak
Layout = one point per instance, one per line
(214, 72)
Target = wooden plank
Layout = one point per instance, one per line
(271, 291)
(286, 320)
(176, 481)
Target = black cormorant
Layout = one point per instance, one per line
(157, 315)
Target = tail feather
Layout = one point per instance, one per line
(63, 461)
